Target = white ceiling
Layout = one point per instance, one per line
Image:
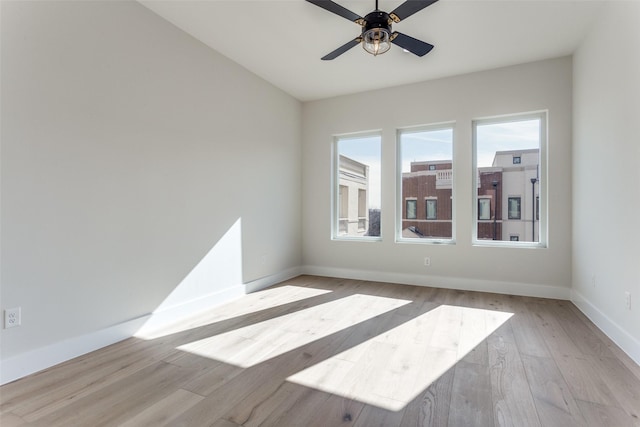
(282, 41)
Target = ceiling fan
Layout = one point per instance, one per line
(376, 36)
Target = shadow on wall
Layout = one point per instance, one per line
(216, 278)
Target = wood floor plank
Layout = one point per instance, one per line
(67, 379)
(624, 386)
(597, 415)
(120, 401)
(526, 332)
(165, 410)
(512, 400)
(78, 386)
(552, 396)
(584, 380)
(302, 413)
(373, 416)
(254, 414)
(336, 411)
(223, 423)
(430, 408)
(316, 351)
(588, 342)
(633, 367)
(558, 341)
(471, 403)
(8, 419)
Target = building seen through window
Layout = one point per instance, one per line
(508, 177)
(357, 190)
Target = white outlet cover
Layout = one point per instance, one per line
(12, 317)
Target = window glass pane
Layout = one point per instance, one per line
(426, 175)
(358, 187)
(484, 209)
(411, 209)
(514, 207)
(507, 155)
(432, 209)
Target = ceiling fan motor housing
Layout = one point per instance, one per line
(377, 19)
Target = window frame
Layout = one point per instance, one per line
(449, 125)
(543, 178)
(335, 233)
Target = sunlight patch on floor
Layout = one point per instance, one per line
(258, 342)
(247, 305)
(393, 368)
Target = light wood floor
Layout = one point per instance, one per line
(329, 352)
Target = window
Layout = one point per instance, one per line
(412, 209)
(425, 172)
(484, 208)
(356, 192)
(432, 208)
(509, 161)
(514, 208)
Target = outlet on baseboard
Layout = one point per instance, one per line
(12, 317)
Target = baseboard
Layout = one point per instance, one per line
(615, 332)
(36, 360)
(265, 282)
(167, 316)
(465, 284)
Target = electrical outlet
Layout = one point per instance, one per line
(627, 300)
(427, 261)
(12, 317)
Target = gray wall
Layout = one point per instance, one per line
(129, 149)
(606, 178)
(544, 85)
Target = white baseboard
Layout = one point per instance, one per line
(265, 282)
(465, 284)
(615, 332)
(36, 360)
(167, 316)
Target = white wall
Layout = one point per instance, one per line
(530, 87)
(129, 150)
(606, 176)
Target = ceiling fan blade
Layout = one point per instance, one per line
(342, 49)
(337, 9)
(415, 46)
(408, 8)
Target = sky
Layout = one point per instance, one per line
(438, 145)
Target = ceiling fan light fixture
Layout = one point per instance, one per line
(376, 41)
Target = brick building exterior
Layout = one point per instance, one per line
(508, 196)
(427, 203)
